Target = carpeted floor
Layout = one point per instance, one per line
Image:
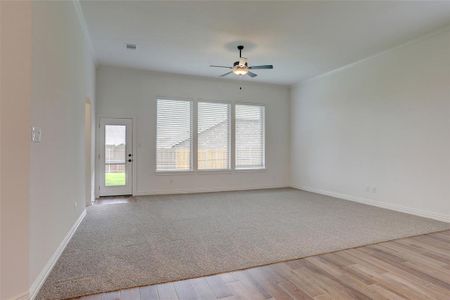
(165, 238)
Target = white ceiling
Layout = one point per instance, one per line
(301, 39)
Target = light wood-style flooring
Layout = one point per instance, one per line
(410, 268)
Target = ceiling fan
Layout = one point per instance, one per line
(241, 66)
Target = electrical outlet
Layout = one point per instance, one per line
(75, 204)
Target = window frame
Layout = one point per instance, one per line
(194, 138)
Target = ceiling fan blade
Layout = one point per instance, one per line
(261, 67)
(251, 74)
(213, 66)
(223, 75)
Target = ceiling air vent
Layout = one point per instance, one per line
(131, 46)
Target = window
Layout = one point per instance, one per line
(115, 143)
(174, 135)
(213, 136)
(250, 149)
(216, 134)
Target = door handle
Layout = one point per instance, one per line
(130, 160)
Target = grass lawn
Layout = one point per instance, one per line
(112, 179)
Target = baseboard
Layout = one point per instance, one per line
(396, 207)
(210, 190)
(37, 284)
(23, 296)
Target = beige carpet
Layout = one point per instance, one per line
(165, 238)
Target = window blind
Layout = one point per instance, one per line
(213, 136)
(250, 145)
(174, 135)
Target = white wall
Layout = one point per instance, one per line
(15, 94)
(63, 76)
(124, 92)
(383, 123)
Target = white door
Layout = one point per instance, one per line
(116, 157)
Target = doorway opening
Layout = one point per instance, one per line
(116, 157)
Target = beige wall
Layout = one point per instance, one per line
(15, 146)
(378, 130)
(126, 92)
(63, 78)
(47, 74)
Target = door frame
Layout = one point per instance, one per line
(89, 151)
(99, 147)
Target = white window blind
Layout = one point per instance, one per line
(213, 136)
(174, 135)
(250, 145)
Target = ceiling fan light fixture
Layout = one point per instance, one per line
(240, 70)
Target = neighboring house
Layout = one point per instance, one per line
(213, 149)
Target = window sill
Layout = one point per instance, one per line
(208, 172)
(164, 173)
(251, 169)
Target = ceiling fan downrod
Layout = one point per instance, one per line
(240, 48)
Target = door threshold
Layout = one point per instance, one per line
(119, 199)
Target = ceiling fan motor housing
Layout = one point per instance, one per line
(242, 62)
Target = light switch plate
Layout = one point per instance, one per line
(36, 134)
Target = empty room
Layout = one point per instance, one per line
(225, 150)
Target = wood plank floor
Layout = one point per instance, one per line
(411, 268)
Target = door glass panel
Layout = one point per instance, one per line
(115, 156)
